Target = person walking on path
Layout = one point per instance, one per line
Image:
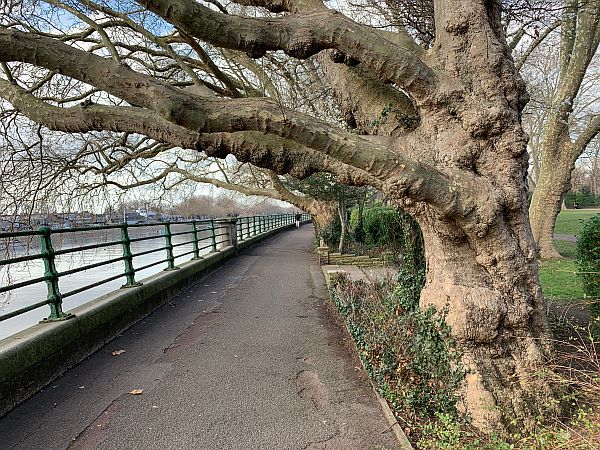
(298, 218)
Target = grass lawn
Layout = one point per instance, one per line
(559, 281)
(569, 220)
(566, 249)
(558, 278)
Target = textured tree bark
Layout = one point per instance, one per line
(344, 225)
(488, 286)
(323, 214)
(481, 264)
(550, 191)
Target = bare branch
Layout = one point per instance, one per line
(590, 132)
(301, 36)
(93, 117)
(535, 44)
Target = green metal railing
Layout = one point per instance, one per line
(205, 236)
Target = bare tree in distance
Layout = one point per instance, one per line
(566, 135)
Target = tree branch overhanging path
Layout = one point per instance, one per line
(437, 129)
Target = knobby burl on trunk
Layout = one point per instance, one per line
(449, 149)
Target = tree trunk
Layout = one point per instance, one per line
(489, 288)
(580, 36)
(550, 191)
(344, 225)
(360, 225)
(323, 216)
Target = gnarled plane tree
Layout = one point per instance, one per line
(437, 130)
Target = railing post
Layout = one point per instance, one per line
(127, 258)
(54, 297)
(239, 230)
(169, 246)
(248, 226)
(213, 236)
(254, 224)
(195, 241)
(233, 236)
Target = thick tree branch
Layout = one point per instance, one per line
(304, 202)
(197, 113)
(301, 36)
(275, 6)
(368, 104)
(224, 124)
(523, 58)
(590, 132)
(93, 117)
(255, 147)
(568, 32)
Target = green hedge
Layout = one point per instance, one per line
(588, 261)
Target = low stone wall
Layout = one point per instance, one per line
(34, 357)
(325, 257)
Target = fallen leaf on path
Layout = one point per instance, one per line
(118, 352)
(136, 391)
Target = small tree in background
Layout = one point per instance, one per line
(326, 188)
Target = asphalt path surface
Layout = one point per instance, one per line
(565, 237)
(251, 357)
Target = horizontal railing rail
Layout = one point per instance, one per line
(204, 236)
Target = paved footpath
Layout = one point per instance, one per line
(249, 358)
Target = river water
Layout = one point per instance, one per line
(15, 273)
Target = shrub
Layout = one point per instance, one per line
(407, 352)
(383, 225)
(389, 228)
(588, 261)
(331, 235)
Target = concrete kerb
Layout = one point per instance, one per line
(34, 357)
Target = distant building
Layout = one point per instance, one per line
(133, 217)
(148, 215)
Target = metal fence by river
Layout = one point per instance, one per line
(47, 272)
